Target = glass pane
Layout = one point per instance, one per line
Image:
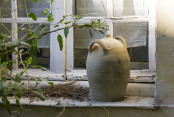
(5, 8)
(136, 39)
(4, 30)
(33, 7)
(81, 42)
(43, 57)
(42, 43)
(139, 57)
(83, 7)
(8, 38)
(130, 8)
(135, 33)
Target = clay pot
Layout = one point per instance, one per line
(108, 68)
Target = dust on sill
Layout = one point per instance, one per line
(128, 102)
(135, 75)
(138, 76)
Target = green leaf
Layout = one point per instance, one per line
(19, 95)
(36, 1)
(33, 16)
(56, 26)
(18, 102)
(24, 43)
(33, 52)
(4, 79)
(66, 31)
(78, 17)
(2, 36)
(6, 103)
(100, 30)
(18, 77)
(90, 33)
(39, 92)
(87, 25)
(28, 61)
(60, 41)
(62, 20)
(10, 65)
(51, 83)
(39, 66)
(2, 82)
(50, 17)
(45, 12)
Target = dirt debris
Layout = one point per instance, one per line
(68, 90)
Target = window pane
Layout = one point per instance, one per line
(42, 43)
(81, 42)
(130, 8)
(33, 7)
(135, 33)
(4, 30)
(5, 8)
(139, 57)
(83, 7)
(43, 57)
(136, 39)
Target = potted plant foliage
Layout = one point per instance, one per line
(12, 85)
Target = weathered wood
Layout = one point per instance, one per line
(57, 57)
(139, 76)
(70, 39)
(152, 35)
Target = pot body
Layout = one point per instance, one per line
(108, 69)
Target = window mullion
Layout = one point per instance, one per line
(109, 12)
(110, 8)
(57, 57)
(152, 38)
(70, 39)
(14, 28)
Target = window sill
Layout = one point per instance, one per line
(141, 82)
(141, 76)
(139, 93)
(128, 102)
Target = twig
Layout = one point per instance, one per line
(106, 111)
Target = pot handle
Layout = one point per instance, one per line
(103, 45)
(122, 39)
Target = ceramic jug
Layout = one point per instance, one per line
(108, 68)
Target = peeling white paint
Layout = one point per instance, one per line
(128, 102)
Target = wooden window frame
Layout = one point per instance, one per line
(15, 20)
(63, 61)
(150, 19)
